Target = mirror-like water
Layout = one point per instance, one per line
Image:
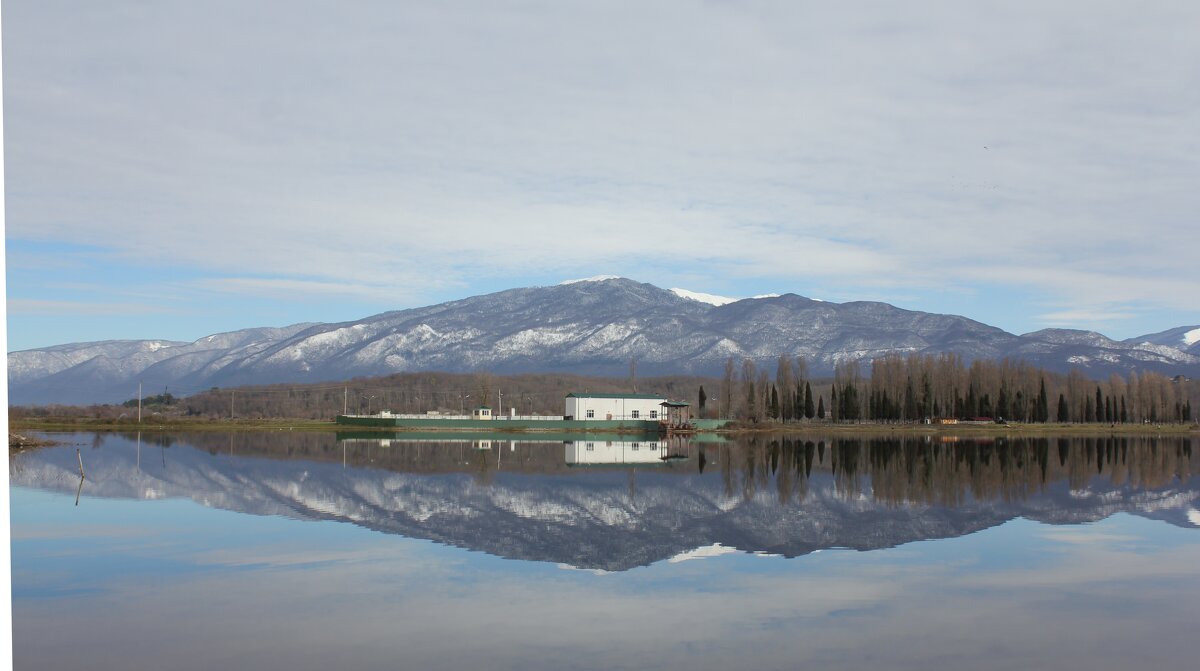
(286, 551)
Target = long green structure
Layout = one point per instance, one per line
(632, 426)
(504, 425)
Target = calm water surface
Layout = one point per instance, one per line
(315, 551)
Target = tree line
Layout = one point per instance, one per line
(916, 387)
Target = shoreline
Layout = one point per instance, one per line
(873, 429)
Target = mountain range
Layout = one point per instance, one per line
(594, 326)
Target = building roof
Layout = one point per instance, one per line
(675, 404)
(639, 396)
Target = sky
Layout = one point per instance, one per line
(176, 169)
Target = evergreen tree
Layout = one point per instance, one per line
(1064, 415)
(1124, 415)
(851, 408)
(1099, 405)
(820, 407)
(701, 400)
(1043, 404)
(809, 410)
(774, 410)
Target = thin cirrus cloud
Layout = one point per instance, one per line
(26, 306)
(446, 149)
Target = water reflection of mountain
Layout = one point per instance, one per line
(525, 500)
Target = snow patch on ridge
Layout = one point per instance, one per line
(711, 299)
(1191, 337)
(714, 550)
(597, 278)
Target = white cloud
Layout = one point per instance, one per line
(427, 147)
(26, 306)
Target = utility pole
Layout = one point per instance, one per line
(139, 401)
(232, 394)
(500, 398)
(345, 399)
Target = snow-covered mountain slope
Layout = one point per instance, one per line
(1185, 338)
(110, 370)
(590, 326)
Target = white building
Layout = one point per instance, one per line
(614, 407)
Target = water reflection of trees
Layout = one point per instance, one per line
(917, 470)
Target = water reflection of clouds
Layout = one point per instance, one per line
(1082, 536)
(385, 602)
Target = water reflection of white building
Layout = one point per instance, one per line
(594, 452)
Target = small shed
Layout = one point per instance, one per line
(482, 412)
(676, 414)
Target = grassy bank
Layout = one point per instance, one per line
(181, 424)
(969, 430)
(51, 424)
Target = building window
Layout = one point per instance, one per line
(635, 414)
(653, 447)
(634, 447)
(591, 414)
(653, 414)
(591, 447)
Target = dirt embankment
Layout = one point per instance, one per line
(18, 442)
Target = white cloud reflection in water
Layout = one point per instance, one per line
(216, 589)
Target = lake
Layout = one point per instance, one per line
(282, 550)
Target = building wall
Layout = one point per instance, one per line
(641, 409)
